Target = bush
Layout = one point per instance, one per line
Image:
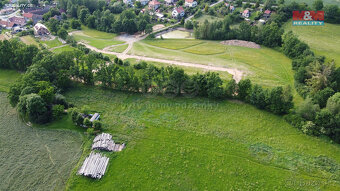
(97, 125)
(90, 131)
(87, 123)
(79, 120)
(310, 128)
(57, 111)
(74, 115)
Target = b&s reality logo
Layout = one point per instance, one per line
(308, 18)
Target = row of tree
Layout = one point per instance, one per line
(268, 35)
(100, 16)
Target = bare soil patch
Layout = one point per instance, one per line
(242, 43)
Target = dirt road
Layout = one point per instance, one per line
(237, 74)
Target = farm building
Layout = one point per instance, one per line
(40, 29)
(95, 117)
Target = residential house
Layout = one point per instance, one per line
(178, 12)
(154, 5)
(231, 8)
(7, 24)
(169, 2)
(144, 2)
(19, 21)
(6, 11)
(33, 17)
(40, 30)
(246, 13)
(190, 3)
(128, 2)
(267, 14)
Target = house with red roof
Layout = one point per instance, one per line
(246, 13)
(178, 12)
(190, 3)
(19, 21)
(7, 24)
(267, 14)
(154, 5)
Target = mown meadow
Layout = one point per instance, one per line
(37, 158)
(96, 38)
(323, 40)
(194, 143)
(263, 66)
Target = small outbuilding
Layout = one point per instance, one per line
(95, 117)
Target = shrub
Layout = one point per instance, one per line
(97, 125)
(57, 111)
(87, 122)
(310, 128)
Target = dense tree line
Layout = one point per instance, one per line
(16, 55)
(37, 93)
(318, 82)
(268, 35)
(97, 14)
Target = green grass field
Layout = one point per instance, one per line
(188, 70)
(63, 49)
(7, 77)
(29, 40)
(195, 143)
(35, 158)
(323, 40)
(96, 38)
(263, 66)
(52, 43)
(208, 17)
(119, 48)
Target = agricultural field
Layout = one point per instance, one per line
(263, 66)
(96, 38)
(324, 41)
(187, 143)
(34, 158)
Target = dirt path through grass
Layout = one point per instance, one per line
(237, 74)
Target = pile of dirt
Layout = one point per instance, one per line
(241, 43)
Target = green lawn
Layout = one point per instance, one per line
(200, 144)
(63, 49)
(323, 40)
(209, 18)
(96, 38)
(7, 77)
(119, 48)
(188, 70)
(29, 40)
(52, 43)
